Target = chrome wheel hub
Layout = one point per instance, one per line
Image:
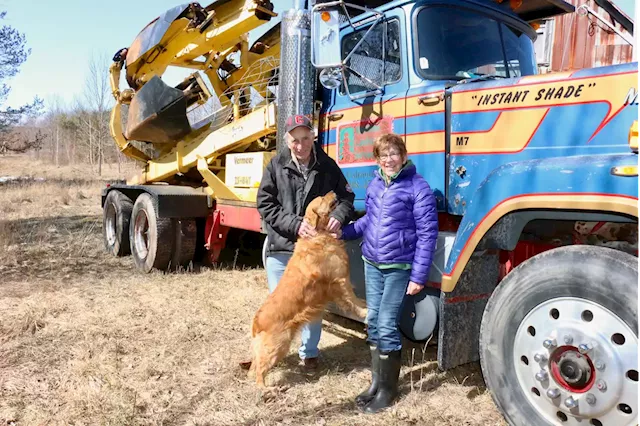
(110, 224)
(576, 362)
(141, 234)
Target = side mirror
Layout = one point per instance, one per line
(325, 35)
(326, 49)
(331, 78)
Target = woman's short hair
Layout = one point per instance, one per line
(387, 141)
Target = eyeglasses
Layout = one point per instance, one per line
(393, 155)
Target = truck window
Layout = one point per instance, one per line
(455, 43)
(368, 59)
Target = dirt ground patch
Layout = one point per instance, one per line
(86, 340)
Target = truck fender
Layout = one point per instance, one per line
(171, 201)
(581, 183)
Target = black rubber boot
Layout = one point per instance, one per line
(388, 385)
(368, 395)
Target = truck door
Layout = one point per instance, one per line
(371, 100)
(474, 51)
(427, 102)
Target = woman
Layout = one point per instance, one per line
(400, 229)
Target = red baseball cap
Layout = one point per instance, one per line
(298, 121)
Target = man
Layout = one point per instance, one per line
(290, 182)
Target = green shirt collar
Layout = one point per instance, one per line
(388, 179)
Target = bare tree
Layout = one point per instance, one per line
(56, 108)
(69, 132)
(98, 101)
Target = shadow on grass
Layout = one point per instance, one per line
(53, 248)
(50, 229)
(424, 359)
(353, 355)
(307, 415)
(65, 247)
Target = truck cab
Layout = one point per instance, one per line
(396, 77)
(411, 66)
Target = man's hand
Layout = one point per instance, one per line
(306, 230)
(334, 225)
(413, 288)
(337, 235)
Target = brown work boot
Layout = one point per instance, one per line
(311, 363)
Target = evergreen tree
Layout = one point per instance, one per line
(13, 53)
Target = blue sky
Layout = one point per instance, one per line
(63, 34)
(68, 32)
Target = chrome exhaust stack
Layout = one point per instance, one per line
(297, 76)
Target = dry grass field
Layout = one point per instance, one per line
(86, 340)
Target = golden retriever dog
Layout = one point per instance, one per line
(317, 274)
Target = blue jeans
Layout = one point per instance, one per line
(385, 289)
(309, 333)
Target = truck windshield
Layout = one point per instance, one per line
(455, 43)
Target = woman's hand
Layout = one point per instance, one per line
(413, 288)
(335, 228)
(334, 225)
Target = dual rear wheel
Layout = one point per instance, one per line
(116, 214)
(154, 242)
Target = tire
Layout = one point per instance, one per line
(264, 252)
(151, 236)
(116, 215)
(419, 316)
(184, 244)
(542, 308)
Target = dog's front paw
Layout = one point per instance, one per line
(269, 394)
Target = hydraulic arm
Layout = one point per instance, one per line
(200, 38)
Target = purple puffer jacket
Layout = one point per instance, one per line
(400, 224)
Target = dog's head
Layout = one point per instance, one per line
(318, 210)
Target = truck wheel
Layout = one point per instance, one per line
(151, 236)
(184, 242)
(264, 252)
(116, 215)
(558, 341)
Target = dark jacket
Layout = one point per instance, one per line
(284, 195)
(400, 224)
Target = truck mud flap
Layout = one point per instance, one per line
(461, 311)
